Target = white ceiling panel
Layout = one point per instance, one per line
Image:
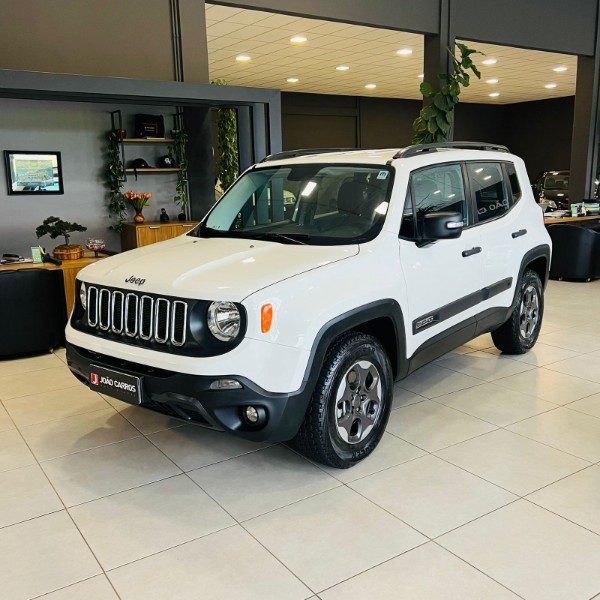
(371, 55)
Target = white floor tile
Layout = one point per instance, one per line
(256, 483)
(28, 365)
(431, 495)
(28, 384)
(565, 429)
(43, 555)
(425, 573)
(25, 493)
(75, 434)
(434, 380)
(330, 537)
(511, 461)
(588, 406)
(432, 426)
(147, 421)
(107, 470)
(481, 343)
(582, 342)
(5, 421)
(534, 553)
(14, 452)
(549, 385)
(403, 397)
(191, 447)
(543, 354)
(58, 404)
(495, 404)
(484, 365)
(134, 524)
(226, 565)
(96, 588)
(390, 452)
(584, 366)
(576, 498)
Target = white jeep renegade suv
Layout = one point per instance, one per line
(318, 280)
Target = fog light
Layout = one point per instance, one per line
(251, 415)
(225, 384)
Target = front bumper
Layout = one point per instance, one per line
(189, 397)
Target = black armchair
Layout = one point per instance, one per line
(575, 252)
(32, 311)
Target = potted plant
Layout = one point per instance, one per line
(54, 227)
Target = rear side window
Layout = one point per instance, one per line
(514, 182)
(490, 189)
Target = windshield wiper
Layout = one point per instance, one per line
(296, 238)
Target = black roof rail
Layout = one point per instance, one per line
(423, 148)
(303, 152)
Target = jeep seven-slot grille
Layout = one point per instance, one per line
(151, 319)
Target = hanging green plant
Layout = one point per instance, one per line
(178, 152)
(115, 174)
(435, 120)
(228, 166)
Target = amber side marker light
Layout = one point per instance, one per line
(266, 317)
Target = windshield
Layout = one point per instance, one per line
(319, 204)
(556, 181)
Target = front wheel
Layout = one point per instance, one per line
(520, 333)
(350, 405)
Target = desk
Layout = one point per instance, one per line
(573, 220)
(69, 269)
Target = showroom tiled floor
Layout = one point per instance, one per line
(485, 486)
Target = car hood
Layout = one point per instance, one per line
(210, 269)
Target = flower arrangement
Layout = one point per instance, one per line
(138, 202)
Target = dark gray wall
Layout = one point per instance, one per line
(539, 132)
(78, 131)
(553, 25)
(421, 16)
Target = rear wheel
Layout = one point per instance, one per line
(351, 403)
(519, 334)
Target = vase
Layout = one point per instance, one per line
(139, 217)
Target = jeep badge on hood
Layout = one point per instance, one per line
(136, 280)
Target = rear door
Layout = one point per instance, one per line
(443, 278)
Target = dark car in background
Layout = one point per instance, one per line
(553, 187)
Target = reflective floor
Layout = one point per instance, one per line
(485, 486)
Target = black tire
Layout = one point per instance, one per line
(345, 364)
(519, 334)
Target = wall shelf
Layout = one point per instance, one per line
(152, 170)
(148, 140)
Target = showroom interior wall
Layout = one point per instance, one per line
(78, 131)
(166, 39)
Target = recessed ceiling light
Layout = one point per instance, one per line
(550, 86)
(243, 58)
(421, 75)
(559, 69)
(404, 51)
(371, 86)
(342, 68)
(494, 94)
(491, 81)
(489, 61)
(292, 80)
(298, 39)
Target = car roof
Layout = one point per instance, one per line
(428, 153)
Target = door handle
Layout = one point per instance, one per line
(516, 234)
(475, 250)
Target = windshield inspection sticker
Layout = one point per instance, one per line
(383, 174)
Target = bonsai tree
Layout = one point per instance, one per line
(54, 226)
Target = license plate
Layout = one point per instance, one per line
(116, 384)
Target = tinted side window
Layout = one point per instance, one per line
(490, 189)
(408, 226)
(440, 189)
(514, 182)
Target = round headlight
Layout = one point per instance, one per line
(224, 320)
(83, 296)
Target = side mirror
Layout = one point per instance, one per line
(442, 225)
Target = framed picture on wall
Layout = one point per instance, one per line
(34, 173)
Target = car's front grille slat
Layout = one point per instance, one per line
(133, 315)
